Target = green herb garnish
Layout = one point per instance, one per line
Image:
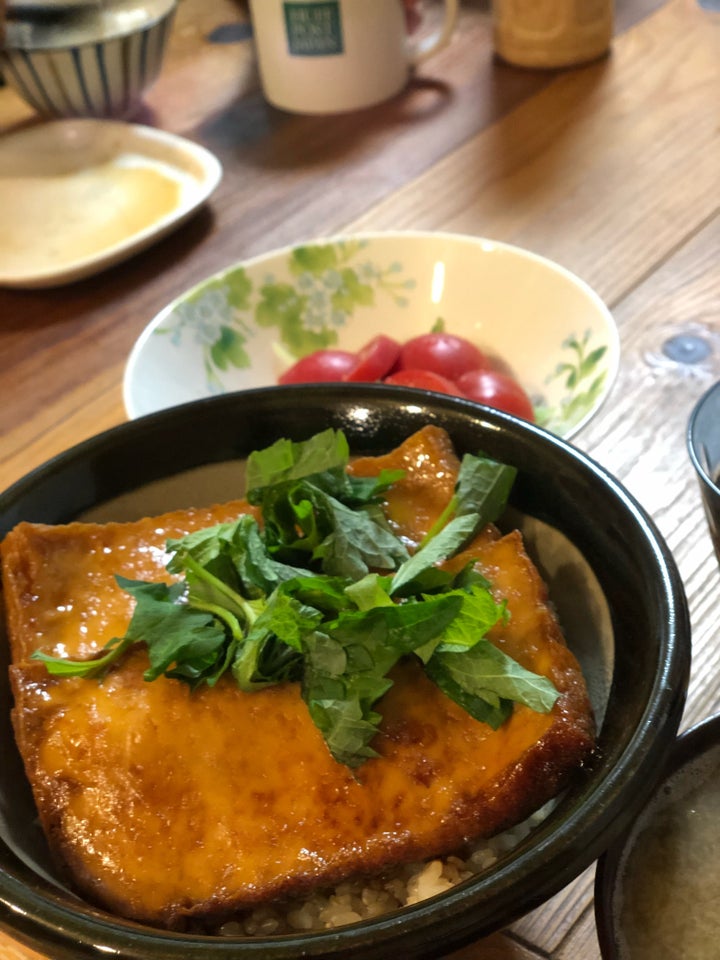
(325, 594)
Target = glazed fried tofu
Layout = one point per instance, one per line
(162, 803)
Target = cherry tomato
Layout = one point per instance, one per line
(496, 389)
(442, 353)
(322, 366)
(423, 380)
(375, 360)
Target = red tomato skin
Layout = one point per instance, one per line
(442, 353)
(424, 380)
(496, 389)
(375, 360)
(321, 366)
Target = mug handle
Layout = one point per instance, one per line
(429, 45)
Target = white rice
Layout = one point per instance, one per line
(368, 897)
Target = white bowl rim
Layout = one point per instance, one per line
(483, 243)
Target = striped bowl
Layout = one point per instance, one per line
(99, 70)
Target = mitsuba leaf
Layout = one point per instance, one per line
(175, 634)
(478, 614)
(371, 591)
(486, 673)
(356, 544)
(235, 553)
(206, 545)
(287, 460)
(340, 688)
(93, 667)
(302, 520)
(328, 595)
(311, 505)
(481, 491)
(483, 487)
(272, 651)
(347, 665)
(363, 490)
(475, 673)
(346, 727)
(450, 539)
(377, 638)
(483, 705)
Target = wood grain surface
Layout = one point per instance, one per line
(612, 169)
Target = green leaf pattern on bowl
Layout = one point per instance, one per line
(584, 377)
(322, 287)
(325, 285)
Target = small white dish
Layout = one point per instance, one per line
(242, 327)
(79, 196)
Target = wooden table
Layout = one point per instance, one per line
(612, 169)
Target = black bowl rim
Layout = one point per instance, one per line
(40, 918)
(695, 414)
(688, 749)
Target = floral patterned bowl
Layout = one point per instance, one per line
(242, 327)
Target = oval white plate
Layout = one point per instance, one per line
(240, 328)
(81, 195)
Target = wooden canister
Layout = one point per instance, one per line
(552, 33)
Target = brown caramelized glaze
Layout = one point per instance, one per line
(163, 803)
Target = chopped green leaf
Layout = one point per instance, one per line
(234, 552)
(322, 592)
(272, 650)
(174, 633)
(356, 544)
(347, 728)
(301, 520)
(486, 673)
(447, 542)
(369, 489)
(482, 490)
(92, 667)
(477, 700)
(287, 460)
(478, 614)
(371, 591)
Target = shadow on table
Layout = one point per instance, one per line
(276, 139)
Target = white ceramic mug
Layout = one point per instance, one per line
(331, 56)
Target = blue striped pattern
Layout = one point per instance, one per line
(104, 79)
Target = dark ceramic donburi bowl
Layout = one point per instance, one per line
(685, 890)
(613, 580)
